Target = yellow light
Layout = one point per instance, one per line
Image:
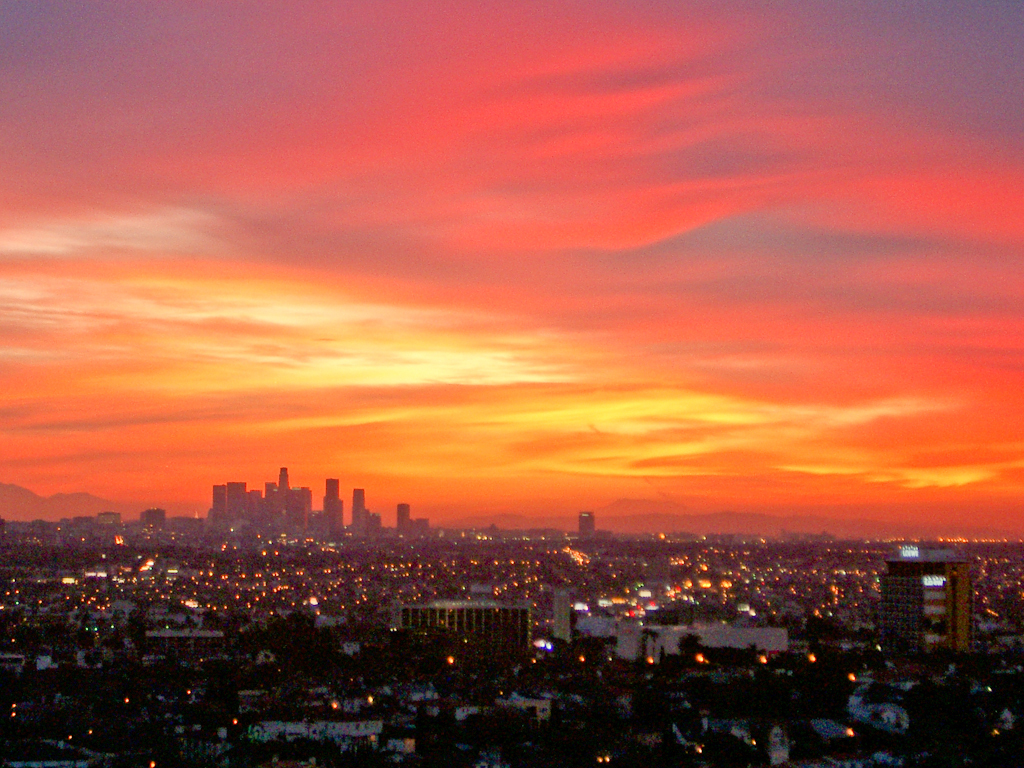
(852, 677)
(582, 659)
(700, 658)
(451, 659)
(812, 658)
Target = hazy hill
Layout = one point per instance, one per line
(654, 516)
(17, 503)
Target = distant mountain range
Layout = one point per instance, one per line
(17, 503)
(652, 516)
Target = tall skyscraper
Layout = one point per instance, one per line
(587, 525)
(298, 506)
(237, 501)
(402, 522)
(282, 482)
(219, 509)
(926, 601)
(359, 511)
(333, 506)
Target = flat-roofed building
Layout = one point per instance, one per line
(926, 601)
(185, 642)
(494, 624)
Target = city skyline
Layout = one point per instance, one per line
(509, 259)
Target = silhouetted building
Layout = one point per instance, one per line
(359, 512)
(254, 506)
(282, 481)
(272, 506)
(492, 624)
(154, 518)
(334, 509)
(108, 518)
(219, 509)
(926, 601)
(587, 525)
(402, 523)
(298, 507)
(237, 501)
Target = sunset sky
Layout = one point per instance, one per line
(518, 257)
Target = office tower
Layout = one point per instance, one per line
(561, 616)
(299, 505)
(358, 511)
(402, 523)
(153, 518)
(926, 601)
(237, 501)
(487, 624)
(254, 505)
(587, 525)
(108, 518)
(271, 502)
(220, 503)
(282, 482)
(333, 506)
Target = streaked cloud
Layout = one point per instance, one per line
(503, 256)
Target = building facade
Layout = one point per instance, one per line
(587, 525)
(495, 625)
(927, 601)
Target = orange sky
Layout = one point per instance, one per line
(517, 257)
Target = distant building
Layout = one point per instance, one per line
(926, 601)
(298, 507)
(359, 512)
(634, 641)
(492, 624)
(237, 501)
(587, 525)
(108, 518)
(334, 507)
(154, 518)
(219, 508)
(185, 642)
(406, 525)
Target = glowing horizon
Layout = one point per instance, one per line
(516, 257)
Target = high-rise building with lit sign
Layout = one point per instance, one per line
(926, 601)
